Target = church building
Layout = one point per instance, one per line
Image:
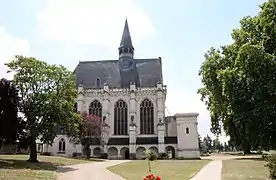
(129, 96)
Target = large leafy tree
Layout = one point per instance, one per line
(47, 94)
(239, 84)
(11, 125)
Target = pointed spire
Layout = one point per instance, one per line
(126, 38)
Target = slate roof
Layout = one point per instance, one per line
(107, 71)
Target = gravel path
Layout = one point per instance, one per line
(210, 171)
(90, 171)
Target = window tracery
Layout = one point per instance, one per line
(120, 118)
(95, 108)
(146, 117)
(61, 145)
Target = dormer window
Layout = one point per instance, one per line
(98, 82)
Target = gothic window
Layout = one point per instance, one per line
(61, 145)
(187, 131)
(95, 108)
(146, 117)
(120, 118)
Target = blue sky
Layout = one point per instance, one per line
(180, 31)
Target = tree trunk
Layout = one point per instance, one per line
(149, 166)
(246, 149)
(87, 151)
(33, 153)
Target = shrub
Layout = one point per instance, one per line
(132, 156)
(46, 154)
(76, 154)
(162, 156)
(151, 155)
(103, 156)
(271, 165)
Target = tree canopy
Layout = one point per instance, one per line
(91, 130)
(239, 84)
(47, 96)
(10, 124)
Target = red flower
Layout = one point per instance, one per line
(151, 177)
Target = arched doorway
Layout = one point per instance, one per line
(97, 151)
(112, 153)
(127, 154)
(124, 153)
(140, 153)
(170, 151)
(154, 149)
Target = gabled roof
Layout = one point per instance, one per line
(107, 71)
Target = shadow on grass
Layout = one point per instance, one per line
(250, 158)
(233, 153)
(86, 159)
(23, 164)
(64, 169)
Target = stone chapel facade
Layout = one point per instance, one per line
(129, 95)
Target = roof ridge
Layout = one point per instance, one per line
(98, 61)
(143, 59)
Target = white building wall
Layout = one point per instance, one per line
(187, 146)
(171, 129)
(187, 143)
(70, 148)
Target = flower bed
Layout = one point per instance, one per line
(151, 177)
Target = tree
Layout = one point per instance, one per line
(10, 124)
(208, 142)
(239, 84)
(226, 147)
(217, 145)
(92, 130)
(47, 94)
(200, 143)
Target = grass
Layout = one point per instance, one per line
(244, 169)
(166, 169)
(15, 167)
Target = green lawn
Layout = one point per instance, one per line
(166, 169)
(15, 167)
(244, 169)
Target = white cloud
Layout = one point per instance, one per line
(92, 21)
(10, 46)
(182, 101)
